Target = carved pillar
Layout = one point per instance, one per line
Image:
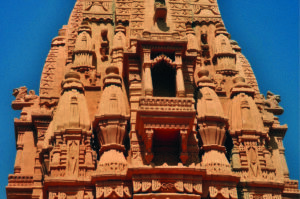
(286, 172)
(41, 122)
(236, 162)
(179, 76)
(147, 74)
(184, 138)
(19, 156)
(278, 155)
(148, 137)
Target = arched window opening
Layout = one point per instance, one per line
(163, 80)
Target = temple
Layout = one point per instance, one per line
(148, 100)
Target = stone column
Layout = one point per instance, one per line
(286, 173)
(148, 139)
(278, 153)
(147, 74)
(179, 76)
(184, 138)
(235, 159)
(19, 156)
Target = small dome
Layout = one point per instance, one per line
(72, 74)
(112, 69)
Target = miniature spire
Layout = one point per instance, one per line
(72, 112)
(110, 124)
(212, 126)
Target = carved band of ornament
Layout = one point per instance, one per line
(225, 192)
(23, 181)
(23, 129)
(179, 186)
(188, 186)
(57, 171)
(167, 126)
(213, 8)
(106, 18)
(169, 102)
(123, 4)
(59, 195)
(217, 167)
(106, 191)
(156, 108)
(136, 32)
(159, 36)
(200, 20)
(123, 18)
(263, 196)
(157, 185)
(113, 168)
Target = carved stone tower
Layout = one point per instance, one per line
(148, 99)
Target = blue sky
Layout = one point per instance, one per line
(267, 31)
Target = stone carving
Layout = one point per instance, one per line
(214, 136)
(224, 192)
(205, 8)
(84, 49)
(192, 41)
(111, 136)
(107, 191)
(24, 99)
(263, 196)
(155, 184)
(73, 158)
(212, 123)
(224, 56)
(219, 82)
(22, 95)
(97, 5)
(272, 103)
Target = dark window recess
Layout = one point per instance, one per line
(228, 145)
(162, 25)
(166, 147)
(163, 80)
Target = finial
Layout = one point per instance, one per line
(204, 80)
(240, 86)
(235, 46)
(220, 29)
(85, 27)
(112, 76)
(120, 28)
(72, 81)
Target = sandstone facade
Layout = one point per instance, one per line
(148, 99)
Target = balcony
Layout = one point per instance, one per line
(164, 117)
